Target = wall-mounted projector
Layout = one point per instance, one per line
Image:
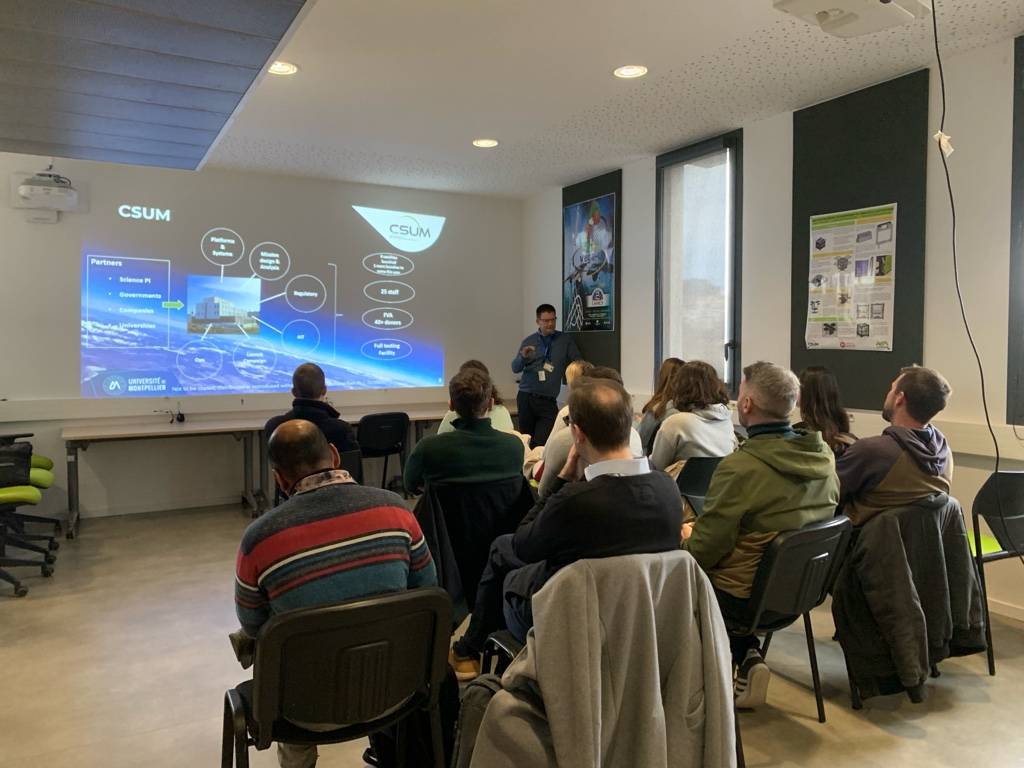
(852, 18)
(48, 191)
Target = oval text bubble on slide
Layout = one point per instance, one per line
(387, 318)
(389, 292)
(386, 350)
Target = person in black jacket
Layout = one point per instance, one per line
(604, 503)
(309, 388)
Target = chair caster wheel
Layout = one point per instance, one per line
(49, 559)
(20, 591)
(54, 545)
(46, 570)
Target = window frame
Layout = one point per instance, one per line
(732, 141)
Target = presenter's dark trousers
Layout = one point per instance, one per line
(536, 416)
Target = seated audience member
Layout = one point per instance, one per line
(606, 502)
(321, 530)
(309, 388)
(660, 406)
(475, 452)
(821, 409)
(500, 418)
(573, 371)
(778, 480)
(557, 449)
(909, 461)
(702, 425)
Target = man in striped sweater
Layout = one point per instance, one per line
(331, 541)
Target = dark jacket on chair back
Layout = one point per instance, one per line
(907, 597)
(337, 431)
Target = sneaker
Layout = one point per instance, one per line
(751, 686)
(466, 667)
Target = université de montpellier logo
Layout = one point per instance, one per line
(409, 232)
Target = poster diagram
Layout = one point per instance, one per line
(588, 265)
(232, 319)
(852, 280)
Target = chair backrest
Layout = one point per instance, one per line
(695, 476)
(799, 567)
(381, 434)
(1001, 503)
(352, 462)
(367, 661)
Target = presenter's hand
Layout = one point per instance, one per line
(573, 468)
(687, 531)
(527, 352)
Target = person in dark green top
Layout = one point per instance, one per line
(475, 452)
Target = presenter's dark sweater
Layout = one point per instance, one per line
(608, 516)
(474, 453)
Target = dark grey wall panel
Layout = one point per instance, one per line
(13, 115)
(868, 148)
(1015, 367)
(89, 153)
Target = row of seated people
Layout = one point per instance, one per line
(334, 540)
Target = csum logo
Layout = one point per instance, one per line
(126, 211)
(409, 232)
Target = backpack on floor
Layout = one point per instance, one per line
(475, 698)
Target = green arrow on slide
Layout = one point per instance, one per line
(176, 304)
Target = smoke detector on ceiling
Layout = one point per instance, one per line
(853, 18)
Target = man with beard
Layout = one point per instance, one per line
(909, 461)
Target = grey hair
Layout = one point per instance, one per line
(776, 389)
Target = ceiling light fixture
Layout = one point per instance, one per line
(485, 143)
(630, 71)
(282, 68)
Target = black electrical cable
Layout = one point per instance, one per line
(956, 281)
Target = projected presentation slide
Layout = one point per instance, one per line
(225, 317)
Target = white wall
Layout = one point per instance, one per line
(980, 90)
(472, 280)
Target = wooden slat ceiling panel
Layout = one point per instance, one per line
(30, 100)
(149, 82)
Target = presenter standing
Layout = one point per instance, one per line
(542, 359)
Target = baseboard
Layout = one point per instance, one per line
(1009, 610)
(138, 509)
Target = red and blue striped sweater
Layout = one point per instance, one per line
(331, 541)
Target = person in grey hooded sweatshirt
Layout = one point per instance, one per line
(703, 426)
(909, 461)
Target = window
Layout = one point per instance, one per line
(697, 301)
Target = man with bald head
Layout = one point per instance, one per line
(603, 503)
(325, 530)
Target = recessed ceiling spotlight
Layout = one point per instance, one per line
(485, 143)
(630, 71)
(282, 68)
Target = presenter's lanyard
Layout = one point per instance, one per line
(546, 342)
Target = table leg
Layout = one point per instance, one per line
(265, 483)
(248, 494)
(73, 509)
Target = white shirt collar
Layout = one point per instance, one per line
(618, 467)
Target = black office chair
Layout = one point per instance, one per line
(794, 576)
(1001, 503)
(695, 478)
(366, 663)
(383, 435)
(352, 462)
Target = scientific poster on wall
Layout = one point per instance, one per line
(588, 265)
(852, 280)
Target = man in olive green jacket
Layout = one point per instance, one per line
(780, 479)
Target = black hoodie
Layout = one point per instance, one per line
(899, 467)
(336, 430)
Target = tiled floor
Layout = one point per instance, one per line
(122, 659)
